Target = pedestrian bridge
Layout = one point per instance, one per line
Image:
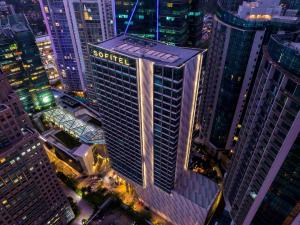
(74, 126)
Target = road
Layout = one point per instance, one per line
(86, 210)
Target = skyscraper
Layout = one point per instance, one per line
(146, 94)
(44, 44)
(20, 60)
(172, 22)
(29, 190)
(233, 59)
(72, 24)
(262, 186)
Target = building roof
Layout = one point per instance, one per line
(69, 123)
(197, 188)
(82, 150)
(154, 51)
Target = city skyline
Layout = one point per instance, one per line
(141, 112)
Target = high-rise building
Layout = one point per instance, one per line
(47, 56)
(291, 4)
(233, 59)
(6, 9)
(173, 22)
(29, 190)
(146, 94)
(72, 24)
(262, 185)
(20, 60)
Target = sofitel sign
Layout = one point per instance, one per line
(111, 57)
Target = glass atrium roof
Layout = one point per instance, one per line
(76, 127)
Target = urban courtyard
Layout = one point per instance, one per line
(105, 199)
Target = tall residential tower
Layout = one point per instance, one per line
(233, 59)
(72, 24)
(262, 186)
(146, 94)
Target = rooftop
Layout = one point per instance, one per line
(87, 133)
(197, 188)
(156, 52)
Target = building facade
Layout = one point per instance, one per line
(172, 22)
(146, 94)
(232, 63)
(29, 190)
(46, 51)
(20, 60)
(262, 185)
(6, 9)
(72, 24)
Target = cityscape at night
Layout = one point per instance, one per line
(149, 112)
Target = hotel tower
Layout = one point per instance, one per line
(146, 93)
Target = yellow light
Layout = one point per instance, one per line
(2, 160)
(235, 138)
(141, 101)
(170, 5)
(192, 117)
(46, 9)
(111, 57)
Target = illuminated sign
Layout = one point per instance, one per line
(111, 57)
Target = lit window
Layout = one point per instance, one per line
(170, 5)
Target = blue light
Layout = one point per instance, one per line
(157, 20)
(132, 13)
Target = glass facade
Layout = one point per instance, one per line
(115, 90)
(89, 26)
(20, 60)
(175, 24)
(168, 84)
(281, 203)
(286, 56)
(270, 120)
(236, 62)
(56, 18)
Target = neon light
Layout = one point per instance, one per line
(157, 20)
(111, 57)
(132, 13)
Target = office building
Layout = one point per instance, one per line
(146, 94)
(233, 59)
(262, 186)
(29, 190)
(72, 24)
(20, 60)
(173, 22)
(47, 56)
